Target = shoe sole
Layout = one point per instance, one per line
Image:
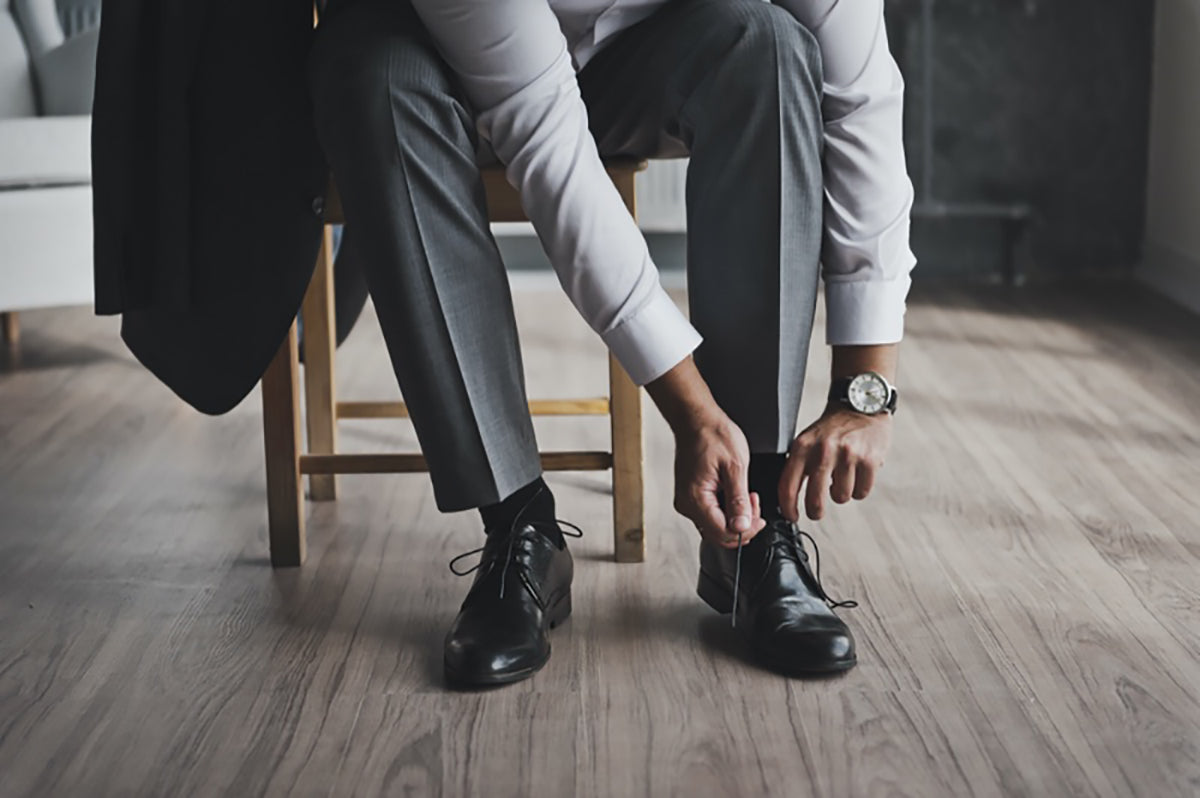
(558, 613)
(720, 598)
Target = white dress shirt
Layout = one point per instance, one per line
(518, 61)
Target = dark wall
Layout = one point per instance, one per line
(1044, 102)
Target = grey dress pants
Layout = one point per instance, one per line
(733, 84)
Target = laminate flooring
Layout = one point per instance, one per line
(1028, 572)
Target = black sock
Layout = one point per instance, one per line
(533, 502)
(765, 470)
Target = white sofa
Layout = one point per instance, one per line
(46, 83)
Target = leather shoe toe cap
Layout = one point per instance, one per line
(474, 661)
(807, 649)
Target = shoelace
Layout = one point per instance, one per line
(570, 531)
(575, 532)
(794, 537)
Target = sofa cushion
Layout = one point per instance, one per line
(16, 77)
(47, 235)
(53, 150)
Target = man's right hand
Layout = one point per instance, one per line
(711, 463)
(712, 459)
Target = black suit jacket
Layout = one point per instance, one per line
(208, 185)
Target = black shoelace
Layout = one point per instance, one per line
(791, 540)
(575, 532)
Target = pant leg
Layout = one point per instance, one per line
(401, 144)
(735, 84)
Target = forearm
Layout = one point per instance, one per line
(851, 360)
(712, 458)
(683, 397)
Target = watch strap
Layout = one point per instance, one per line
(839, 389)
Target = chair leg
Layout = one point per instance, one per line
(320, 408)
(281, 433)
(11, 324)
(629, 516)
(629, 520)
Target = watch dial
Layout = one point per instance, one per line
(868, 393)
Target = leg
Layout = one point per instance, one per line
(281, 431)
(735, 84)
(402, 148)
(320, 395)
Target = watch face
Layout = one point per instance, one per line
(868, 393)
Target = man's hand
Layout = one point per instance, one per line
(712, 459)
(841, 451)
(711, 465)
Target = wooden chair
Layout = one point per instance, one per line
(322, 462)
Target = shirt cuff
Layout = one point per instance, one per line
(653, 340)
(864, 312)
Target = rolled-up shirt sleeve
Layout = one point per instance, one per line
(516, 70)
(866, 257)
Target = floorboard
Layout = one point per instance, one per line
(1028, 572)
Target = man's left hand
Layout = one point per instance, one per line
(842, 451)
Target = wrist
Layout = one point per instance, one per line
(692, 415)
(868, 393)
(850, 360)
(862, 379)
(684, 399)
(834, 407)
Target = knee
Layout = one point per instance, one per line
(370, 84)
(772, 43)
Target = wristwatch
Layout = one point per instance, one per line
(868, 393)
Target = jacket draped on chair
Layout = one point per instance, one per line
(208, 184)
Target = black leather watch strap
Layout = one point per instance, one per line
(838, 389)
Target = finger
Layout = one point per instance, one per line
(707, 516)
(728, 539)
(818, 483)
(864, 479)
(843, 478)
(790, 481)
(735, 486)
(756, 508)
(721, 536)
(758, 523)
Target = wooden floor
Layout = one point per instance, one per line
(1028, 572)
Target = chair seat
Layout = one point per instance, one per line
(504, 202)
(45, 151)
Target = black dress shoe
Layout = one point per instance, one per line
(522, 589)
(778, 602)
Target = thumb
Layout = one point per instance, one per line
(736, 489)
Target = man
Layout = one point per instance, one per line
(410, 95)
